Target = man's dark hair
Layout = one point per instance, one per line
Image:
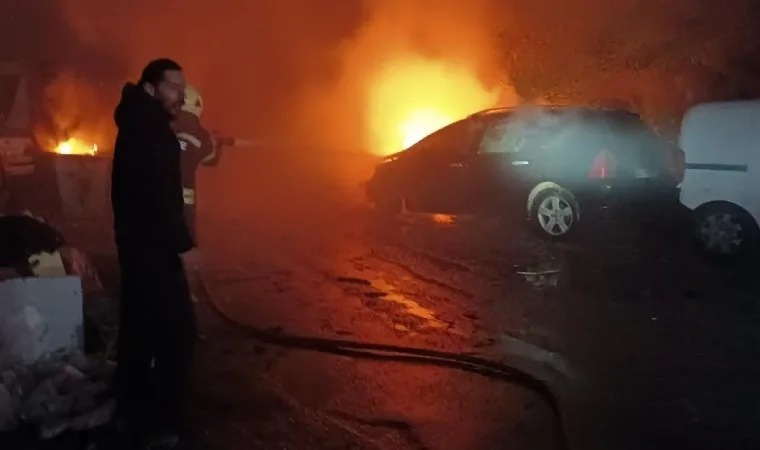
(154, 72)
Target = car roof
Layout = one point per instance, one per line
(495, 113)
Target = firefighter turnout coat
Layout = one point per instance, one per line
(198, 148)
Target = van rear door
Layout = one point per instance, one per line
(721, 142)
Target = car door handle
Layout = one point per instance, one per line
(520, 163)
(458, 165)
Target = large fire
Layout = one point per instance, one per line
(76, 146)
(414, 97)
(78, 109)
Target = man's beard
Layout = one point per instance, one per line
(173, 108)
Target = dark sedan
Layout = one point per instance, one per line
(548, 164)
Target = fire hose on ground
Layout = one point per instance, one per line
(392, 353)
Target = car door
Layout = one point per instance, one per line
(442, 184)
(503, 166)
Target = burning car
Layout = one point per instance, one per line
(547, 164)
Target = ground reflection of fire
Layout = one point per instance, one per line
(414, 97)
(444, 219)
(76, 147)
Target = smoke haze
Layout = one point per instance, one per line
(303, 70)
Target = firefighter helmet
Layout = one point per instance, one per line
(193, 101)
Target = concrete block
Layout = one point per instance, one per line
(39, 316)
(83, 183)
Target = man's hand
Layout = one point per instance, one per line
(193, 260)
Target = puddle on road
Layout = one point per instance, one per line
(444, 219)
(410, 307)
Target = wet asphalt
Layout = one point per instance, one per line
(645, 344)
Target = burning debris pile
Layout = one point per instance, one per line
(79, 115)
(76, 146)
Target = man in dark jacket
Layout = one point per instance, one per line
(157, 323)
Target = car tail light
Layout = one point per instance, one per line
(603, 167)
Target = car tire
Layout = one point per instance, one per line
(725, 232)
(554, 213)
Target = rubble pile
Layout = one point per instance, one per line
(24, 235)
(51, 391)
(60, 393)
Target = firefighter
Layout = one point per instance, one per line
(198, 148)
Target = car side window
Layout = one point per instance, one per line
(523, 132)
(502, 137)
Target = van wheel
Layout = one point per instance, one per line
(725, 231)
(555, 213)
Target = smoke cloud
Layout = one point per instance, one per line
(301, 69)
(293, 68)
(247, 58)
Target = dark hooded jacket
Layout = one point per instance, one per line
(146, 183)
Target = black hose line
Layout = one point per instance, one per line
(400, 354)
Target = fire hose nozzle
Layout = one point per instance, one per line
(237, 142)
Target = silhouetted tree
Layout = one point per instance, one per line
(554, 49)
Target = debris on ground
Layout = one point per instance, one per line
(58, 394)
(47, 383)
(540, 277)
(31, 247)
(39, 317)
(23, 236)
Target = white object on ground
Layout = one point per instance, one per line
(39, 316)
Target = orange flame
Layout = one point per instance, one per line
(76, 147)
(414, 97)
(78, 114)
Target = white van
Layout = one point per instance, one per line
(722, 183)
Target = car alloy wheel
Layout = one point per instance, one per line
(721, 233)
(555, 214)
